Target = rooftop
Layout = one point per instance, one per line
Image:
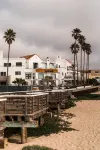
(28, 56)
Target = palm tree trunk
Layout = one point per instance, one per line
(88, 69)
(77, 69)
(81, 66)
(74, 72)
(8, 64)
(84, 69)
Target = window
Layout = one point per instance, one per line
(28, 75)
(5, 64)
(59, 66)
(18, 64)
(33, 75)
(35, 65)
(62, 74)
(3, 73)
(40, 75)
(56, 65)
(96, 71)
(17, 72)
(65, 74)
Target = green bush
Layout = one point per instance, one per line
(71, 103)
(36, 147)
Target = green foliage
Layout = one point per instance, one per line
(36, 147)
(93, 82)
(88, 97)
(9, 36)
(19, 81)
(71, 103)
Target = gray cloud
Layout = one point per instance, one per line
(44, 26)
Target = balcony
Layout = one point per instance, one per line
(3, 78)
(47, 70)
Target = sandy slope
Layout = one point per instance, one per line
(85, 137)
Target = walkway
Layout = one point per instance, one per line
(85, 119)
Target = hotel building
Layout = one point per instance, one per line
(33, 69)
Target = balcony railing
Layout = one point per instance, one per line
(47, 70)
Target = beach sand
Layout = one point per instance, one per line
(86, 136)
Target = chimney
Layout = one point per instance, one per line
(48, 62)
(59, 57)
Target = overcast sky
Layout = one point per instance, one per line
(44, 26)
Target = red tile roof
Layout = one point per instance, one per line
(28, 56)
(69, 61)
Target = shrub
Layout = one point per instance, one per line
(71, 103)
(36, 147)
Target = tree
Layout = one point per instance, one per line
(88, 52)
(76, 34)
(81, 40)
(9, 37)
(74, 49)
(19, 81)
(84, 47)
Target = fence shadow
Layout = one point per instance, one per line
(53, 125)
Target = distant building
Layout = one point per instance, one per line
(94, 74)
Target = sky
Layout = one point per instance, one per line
(44, 27)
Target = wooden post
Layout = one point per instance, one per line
(26, 106)
(23, 135)
(26, 109)
(5, 107)
(41, 120)
(58, 108)
(33, 105)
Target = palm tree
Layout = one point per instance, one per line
(76, 34)
(9, 37)
(74, 49)
(88, 52)
(77, 62)
(20, 81)
(81, 40)
(84, 47)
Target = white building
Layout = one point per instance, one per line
(32, 68)
(64, 67)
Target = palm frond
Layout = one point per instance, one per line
(9, 36)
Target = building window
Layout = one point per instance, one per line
(62, 73)
(41, 76)
(28, 75)
(17, 72)
(3, 73)
(35, 65)
(18, 64)
(5, 64)
(33, 75)
(96, 71)
(65, 74)
(59, 66)
(56, 65)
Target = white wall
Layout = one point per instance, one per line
(27, 67)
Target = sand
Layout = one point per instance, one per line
(86, 136)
